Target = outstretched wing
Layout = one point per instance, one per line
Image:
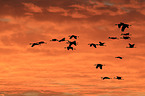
(123, 28)
(119, 25)
(100, 67)
(94, 45)
(97, 66)
(33, 44)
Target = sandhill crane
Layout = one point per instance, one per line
(99, 65)
(119, 78)
(112, 38)
(54, 40)
(41, 42)
(105, 78)
(131, 46)
(69, 47)
(33, 44)
(92, 44)
(125, 26)
(125, 34)
(101, 44)
(73, 36)
(125, 37)
(63, 39)
(119, 57)
(71, 43)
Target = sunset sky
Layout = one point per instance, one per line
(50, 69)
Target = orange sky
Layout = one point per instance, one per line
(50, 69)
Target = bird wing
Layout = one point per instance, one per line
(100, 67)
(33, 44)
(94, 45)
(123, 28)
(119, 25)
(97, 66)
(70, 37)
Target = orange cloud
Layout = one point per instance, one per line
(32, 8)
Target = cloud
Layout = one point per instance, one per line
(46, 93)
(4, 20)
(32, 8)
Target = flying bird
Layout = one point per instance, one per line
(33, 44)
(92, 44)
(71, 43)
(125, 26)
(99, 65)
(125, 37)
(41, 42)
(131, 46)
(73, 36)
(125, 34)
(119, 78)
(63, 39)
(112, 38)
(69, 47)
(119, 57)
(101, 44)
(105, 78)
(54, 40)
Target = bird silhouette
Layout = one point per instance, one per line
(119, 57)
(131, 46)
(119, 78)
(99, 65)
(69, 47)
(71, 43)
(125, 34)
(41, 42)
(123, 25)
(33, 44)
(125, 37)
(92, 44)
(105, 78)
(101, 44)
(73, 36)
(54, 40)
(63, 39)
(112, 38)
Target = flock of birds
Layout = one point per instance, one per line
(125, 36)
(123, 26)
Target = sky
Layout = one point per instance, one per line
(50, 69)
